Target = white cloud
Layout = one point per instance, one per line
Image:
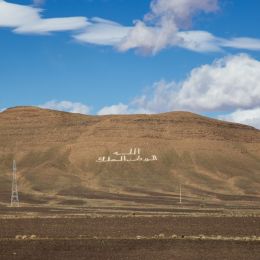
(2, 110)
(166, 26)
(160, 27)
(198, 41)
(149, 39)
(247, 116)
(102, 32)
(228, 84)
(180, 11)
(53, 25)
(114, 109)
(68, 106)
(27, 19)
(241, 43)
(14, 15)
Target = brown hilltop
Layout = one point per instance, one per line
(56, 153)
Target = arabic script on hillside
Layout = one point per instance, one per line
(134, 155)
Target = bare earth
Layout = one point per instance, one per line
(129, 249)
(130, 238)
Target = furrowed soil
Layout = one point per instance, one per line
(129, 249)
(129, 227)
(130, 238)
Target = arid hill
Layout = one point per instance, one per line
(56, 153)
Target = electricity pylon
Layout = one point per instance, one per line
(14, 195)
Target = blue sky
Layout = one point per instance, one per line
(132, 56)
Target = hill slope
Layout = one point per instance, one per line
(56, 152)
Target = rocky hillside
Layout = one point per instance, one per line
(131, 160)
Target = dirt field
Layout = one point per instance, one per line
(130, 238)
(129, 227)
(128, 249)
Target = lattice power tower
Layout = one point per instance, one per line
(14, 196)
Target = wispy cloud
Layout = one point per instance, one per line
(28, 19)
(167, 25)
(103, 32)
(43, 26)
(68, 106)
(241, 43)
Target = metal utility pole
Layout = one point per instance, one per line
(14, 195)
(180, 195)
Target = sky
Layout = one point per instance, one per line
(132, 56)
